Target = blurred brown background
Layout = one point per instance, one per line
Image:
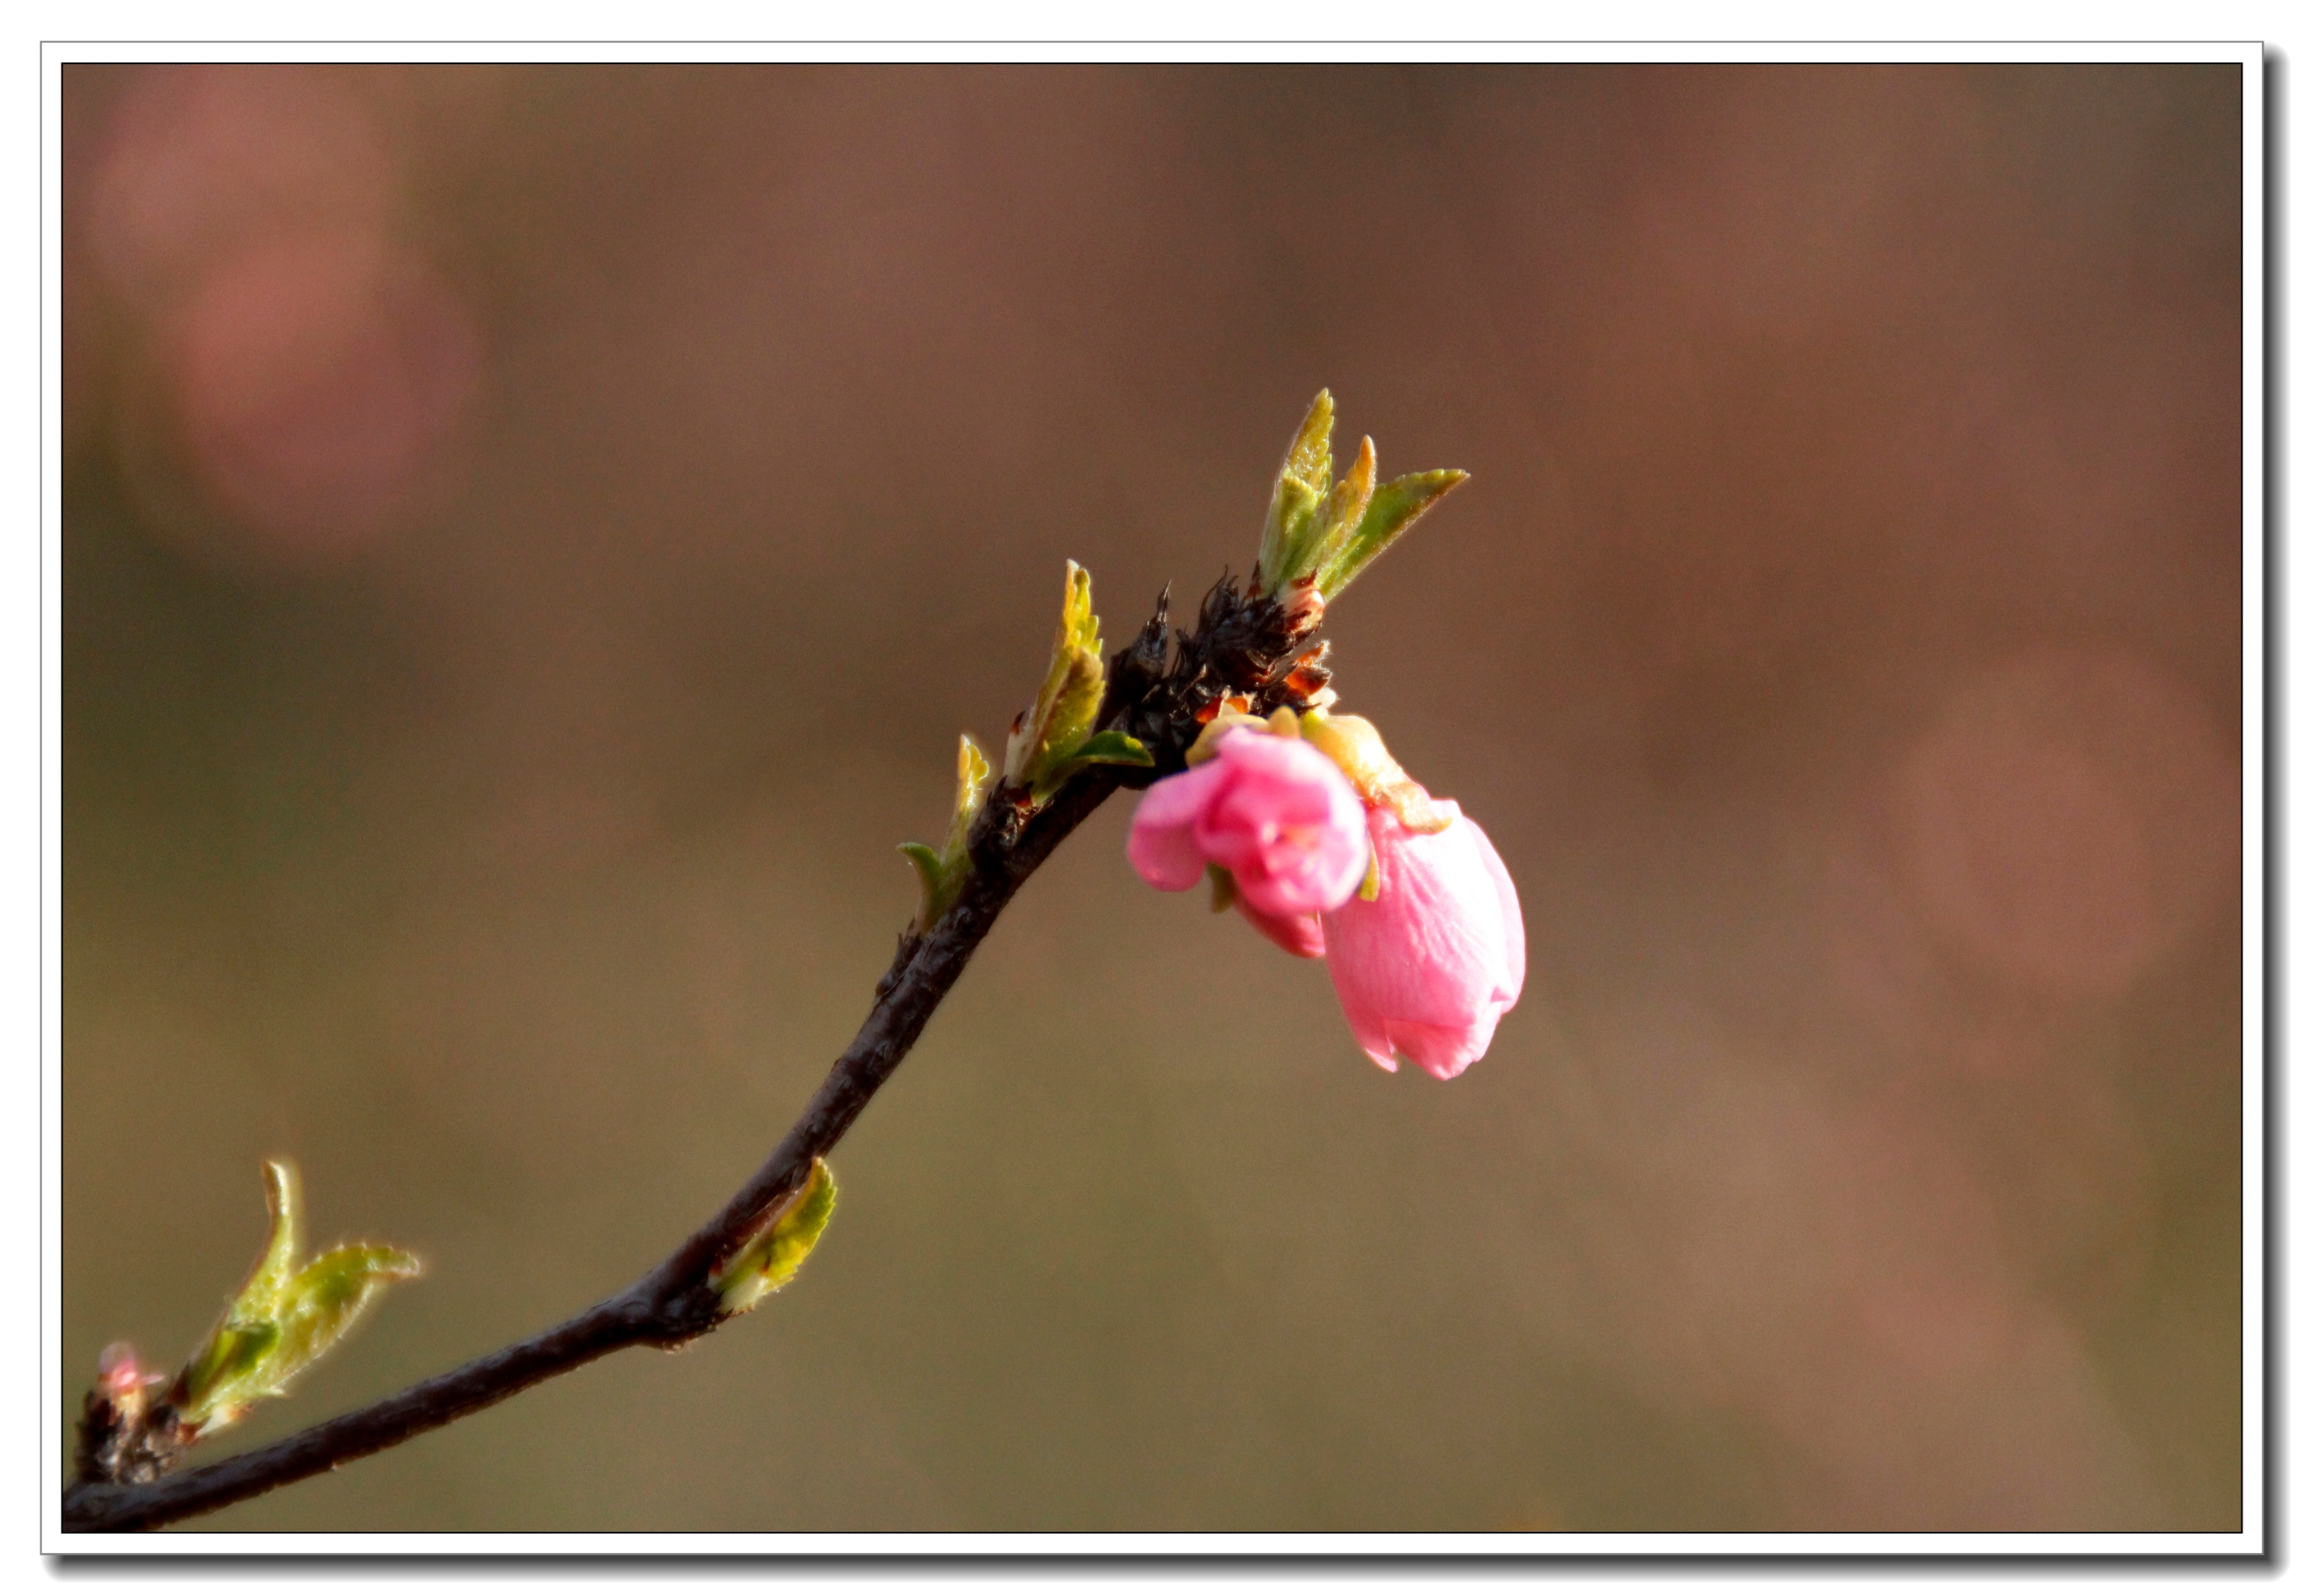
(532, 536)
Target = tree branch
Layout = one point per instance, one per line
(675, 1302)
(1243, 644)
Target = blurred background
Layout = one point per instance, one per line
(532, 536)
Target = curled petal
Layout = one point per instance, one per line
(1161, 843)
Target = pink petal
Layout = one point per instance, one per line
(1370, 1032)
(1445, 1051)
(1261, 754)
(1424, 971)
(1508, 902)
(1430, 949)
(1178, 799)
(1299, 934)
(1160, 837)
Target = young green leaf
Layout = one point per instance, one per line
(1319, 534)
(1072, 695)
(1340, 512)
(321, 1301)
(1064, 715)
(284, 1316)
(928, 866)
(941, 873)
(1112, 747)
(1296, 494)
(1287, 527)
(283, 1200)
(1391, 510)
(1307, 459)
(767, 1263)
(227, 1374)
(1106, 747)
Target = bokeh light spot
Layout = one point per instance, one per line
(2069, 819)
(318, 377)
(200, 160)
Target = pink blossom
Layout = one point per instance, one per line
(1426, 970)
(1277, 813)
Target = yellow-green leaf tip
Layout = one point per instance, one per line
(1062, 716)
(943, 871)
(1321, 531)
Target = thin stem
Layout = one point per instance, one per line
(675, 1302)
(1243, 644)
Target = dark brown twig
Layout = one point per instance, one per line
(1242, 644)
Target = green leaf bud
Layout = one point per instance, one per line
(1319, 534)
(768, 1261)
(286, 1316)
(1296, 494)
(943, 871)
(1047, 742)
(1390, 511)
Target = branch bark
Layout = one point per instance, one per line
(1243, 644)
(675, 1302)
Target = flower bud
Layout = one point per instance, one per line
(1275, 811)
(1426, 968)
(116, 1370)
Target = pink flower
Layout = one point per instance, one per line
(1277, 813)
(1424, 971)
